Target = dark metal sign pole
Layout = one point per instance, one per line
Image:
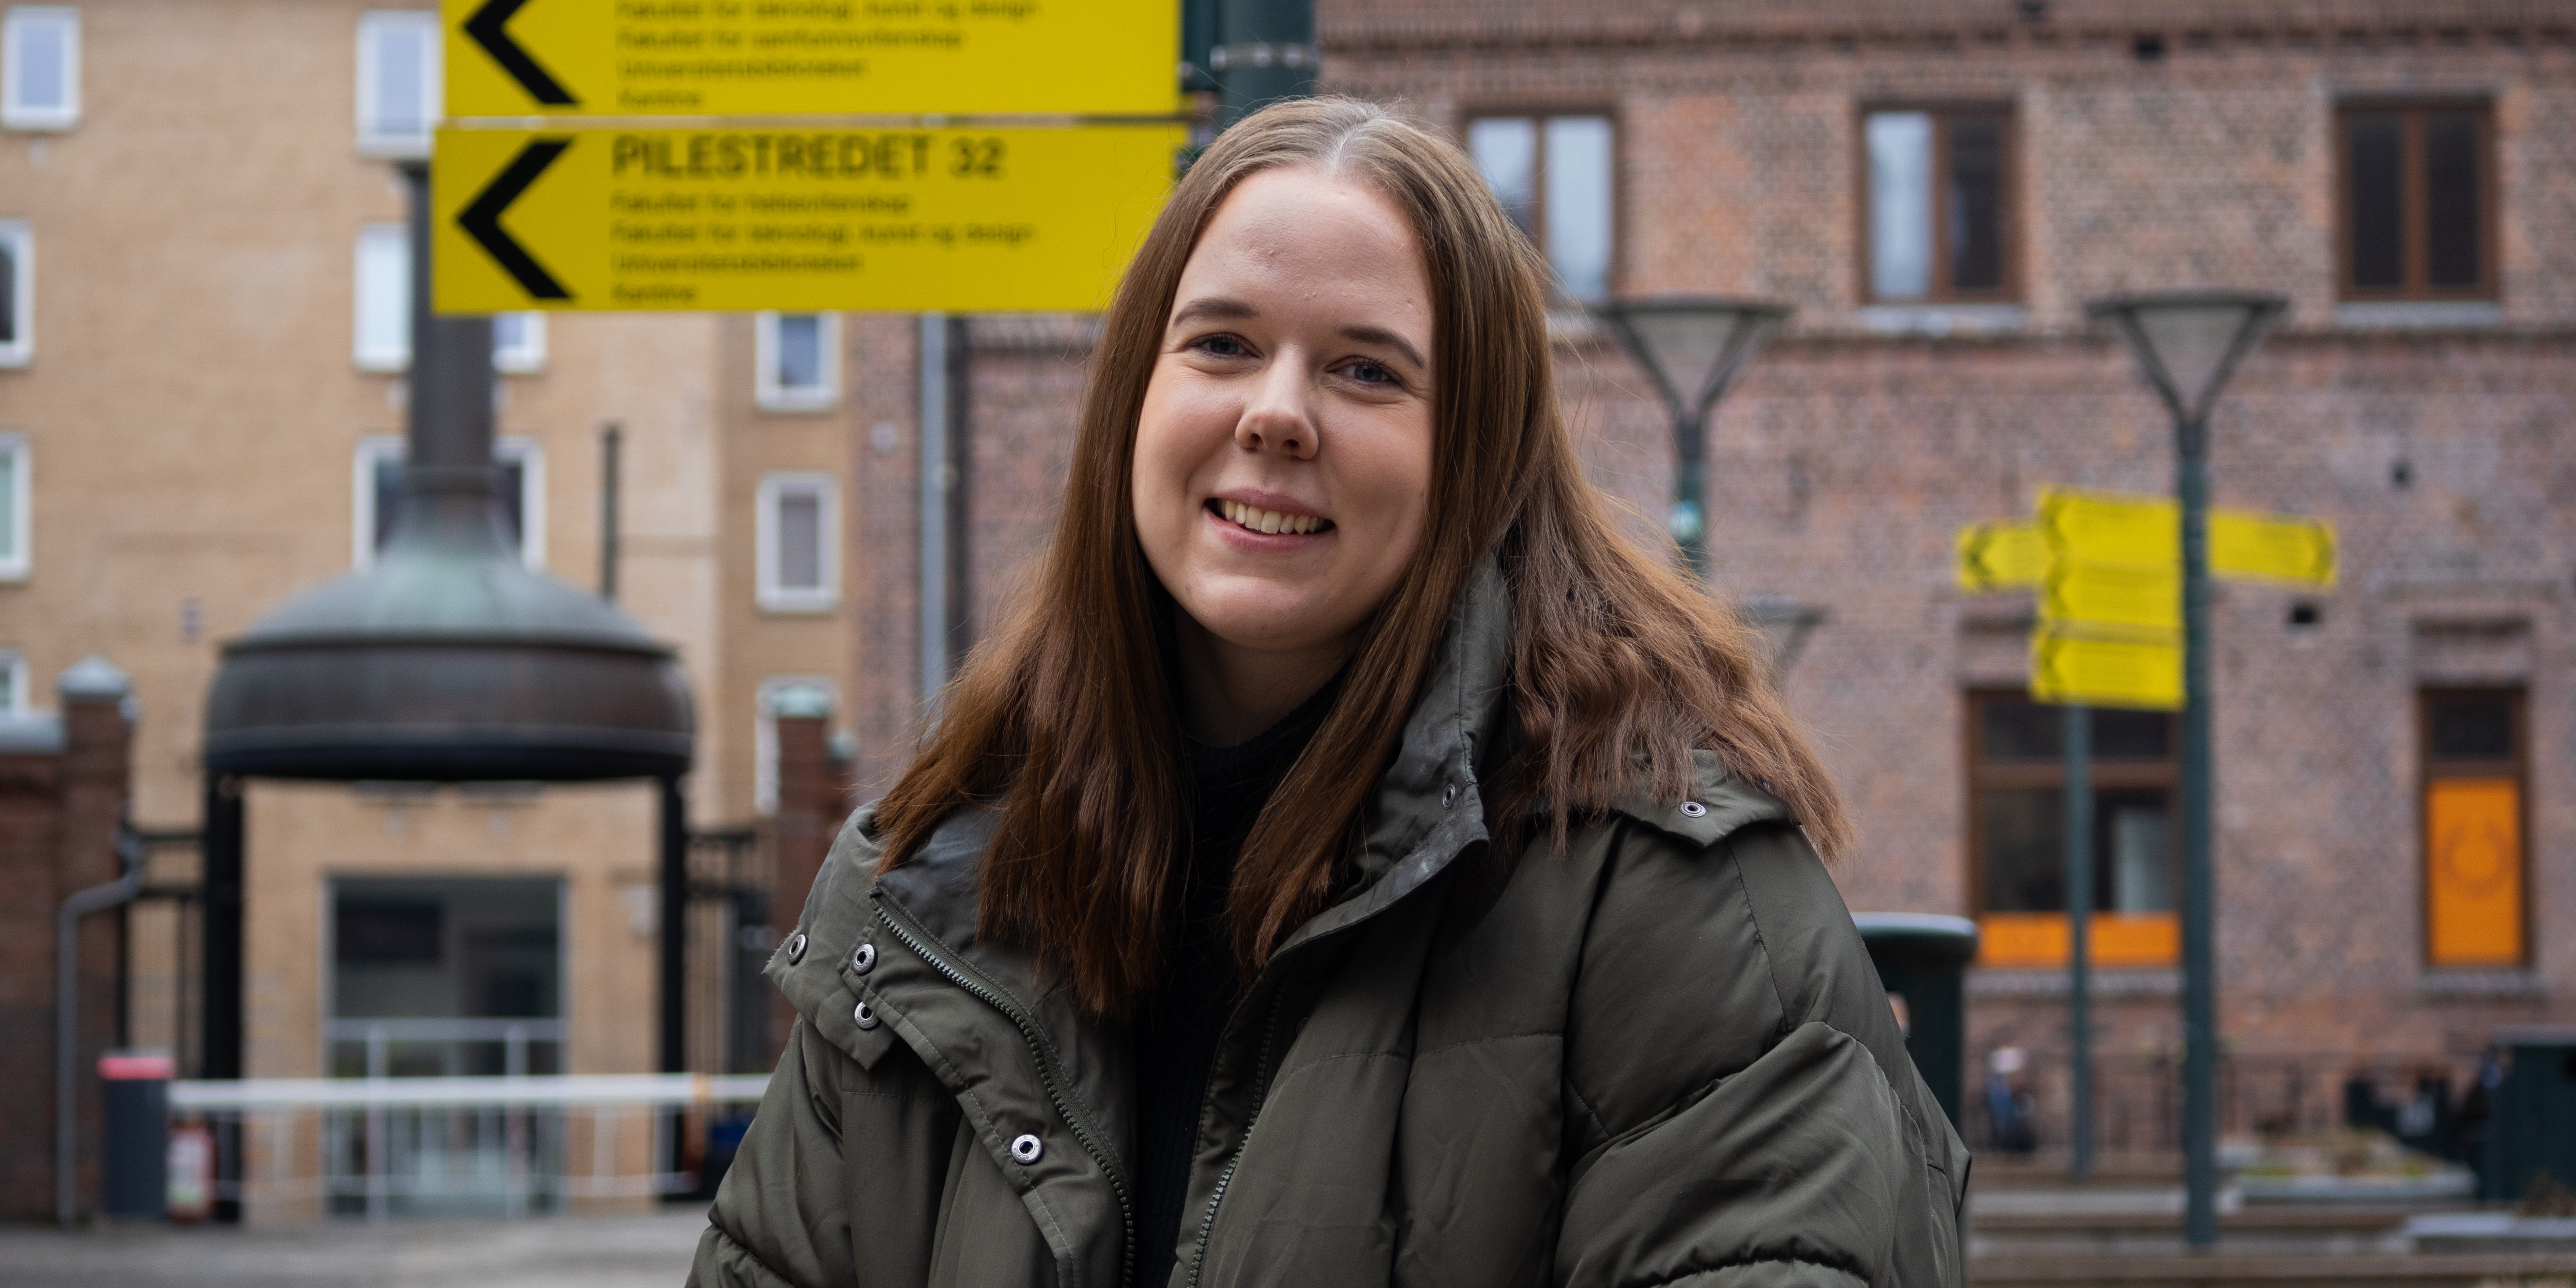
(1264, 51)
(219, 972)
(2079, 933)
(2199, 959)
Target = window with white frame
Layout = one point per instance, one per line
(797, 543)
(40, 67)
(376, 493)
(799, 359)
(381, 321)
(1554, 175)
(518, 343)
(792, 696)
(1940, 205)
(398, 82)
(16, 492)
(383, 299)
(17, 293)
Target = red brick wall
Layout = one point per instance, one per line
(1852, 451)
(813, 798)
(58, 818)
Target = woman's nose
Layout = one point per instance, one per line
(1280, 416)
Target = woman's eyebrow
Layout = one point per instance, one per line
(1380, 335)
(1214, 308)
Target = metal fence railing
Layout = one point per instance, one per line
(2138, 1099)
(453, 1146)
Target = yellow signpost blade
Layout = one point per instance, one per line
(2146, 531)
(2001, 556)
(599, 58)
(2114, 595)
(999, 220)
(2143, 672)
(2111, 528)
(2252, 546)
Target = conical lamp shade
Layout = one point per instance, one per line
(2190, 342)
(1691, 345)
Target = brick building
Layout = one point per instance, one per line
(1937, 188)
(64, 782)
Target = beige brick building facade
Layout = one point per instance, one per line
(195, 402)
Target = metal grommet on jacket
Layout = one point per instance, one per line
(1027, 1149)
(1449, 796)
(863, 958)
(864, 1015)
(1693, 809)
(796, 948)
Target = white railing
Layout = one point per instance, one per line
(506, 1146)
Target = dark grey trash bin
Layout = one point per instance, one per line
(1923, 958)
(138, 1134)
(2530, 1128)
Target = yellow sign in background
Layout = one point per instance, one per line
(2473, 872)
(810, 57)
(969, 220)
(1996, 556)
(2069, 667)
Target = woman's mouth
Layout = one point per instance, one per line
(1256, 519)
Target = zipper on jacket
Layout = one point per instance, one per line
(1260, 1093)
(919, 942)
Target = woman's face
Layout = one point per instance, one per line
(1283, 460)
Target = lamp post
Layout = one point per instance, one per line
(2188, 343)
(1692, 347)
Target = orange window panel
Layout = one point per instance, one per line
(2473, 872)
(2044, 939)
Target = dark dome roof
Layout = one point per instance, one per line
(448, 661)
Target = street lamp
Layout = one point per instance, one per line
(2188, 343)
(1692, 346)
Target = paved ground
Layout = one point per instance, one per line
(557, 1252)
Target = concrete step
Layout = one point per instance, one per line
(2241, 1270)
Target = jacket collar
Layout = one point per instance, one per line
(1429, 807)
(1427, 811)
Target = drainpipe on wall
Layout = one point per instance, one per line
(947, 359)
(93, 680)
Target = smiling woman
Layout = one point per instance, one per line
(1283, 458)
(1288, 891)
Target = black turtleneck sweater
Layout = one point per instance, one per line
(1177, 1028)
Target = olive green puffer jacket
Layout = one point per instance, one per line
(1659, 1056)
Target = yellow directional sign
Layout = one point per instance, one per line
(2271, 547)
(2111, 528)
(811, 57)
(2146, 531)
(2109, 571)
(1020, 219)
(2001, 556)
(2072, 668)
(2113, 595)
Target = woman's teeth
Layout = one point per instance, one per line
(1260, 520)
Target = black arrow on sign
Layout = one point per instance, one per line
(488, 28)
(482, 219)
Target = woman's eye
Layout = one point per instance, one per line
(1371, 373)
(1221, 346)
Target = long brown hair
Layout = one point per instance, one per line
(1065, 717)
